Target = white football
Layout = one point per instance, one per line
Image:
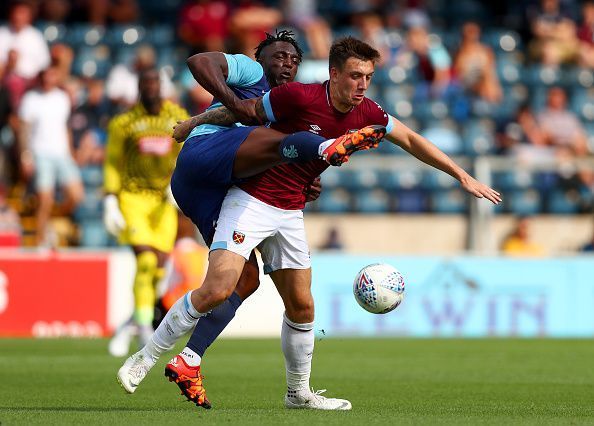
(379, 288)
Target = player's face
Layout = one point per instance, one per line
(352, 81)
(280, 62)
(149, 86)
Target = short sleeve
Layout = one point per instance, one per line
(280, 103)
(439, 57)
(377, 115)
(242, 71)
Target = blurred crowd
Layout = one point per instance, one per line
(510, 78)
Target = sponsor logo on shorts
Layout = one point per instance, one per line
(238, 237)
(314, 128)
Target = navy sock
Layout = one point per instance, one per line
(210, 326)
(300, 147)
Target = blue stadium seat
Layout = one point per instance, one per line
(582, 103)
(578, 78)
(81, 34)
(432, 110)
(437, 180)
(397, 100)
(411, 201)
(509, 69)
(92, 176)
(334, 201)
(160, 35)
(524, 202)
(449, 201)
(589, 127)
(53, 33)
(93, 234)
(502, 40)
(371, 201)
(364, 179)
(479, 137)
(125, 35)
(396, 180)
(332, 178)
(512, 180)
(445, 136)
(92, 62)
(563, 202)
(539, 75)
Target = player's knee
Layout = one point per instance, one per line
(216, 296)
(146, 263)
(248, 283)
(301, 310)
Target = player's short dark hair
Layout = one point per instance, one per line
(284, 35)
(350, 47)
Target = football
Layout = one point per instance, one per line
(379, 288)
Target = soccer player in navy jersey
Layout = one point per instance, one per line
(265, 211)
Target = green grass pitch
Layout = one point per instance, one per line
(389, 381)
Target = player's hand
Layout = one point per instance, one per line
(113, 219)
(480, 190)
(245, 111)
(182, 129)
(313, 190)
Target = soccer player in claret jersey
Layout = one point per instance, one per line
(265, 211)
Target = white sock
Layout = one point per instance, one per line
(324, 145)
(181, 318)
(297, 341)
(191, 357)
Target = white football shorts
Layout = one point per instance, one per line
(246, 223)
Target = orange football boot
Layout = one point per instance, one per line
(188, 379)
(339, 151)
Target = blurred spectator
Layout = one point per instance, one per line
(372, 31)
(303, 15)
(122, 82)
(88, 123)
(249, 22)
(586, 35)
(62, 56)
(432, 59)
(10, 222)
(44, 132)
(561, 128)
(202, 25)
(522, 131)
(333, 240)
(6, 147)
(519, 243)
(23, 51)
(54, 10)
(475, 67)
(123, 11)
(554, 35)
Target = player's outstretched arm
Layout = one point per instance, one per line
(221, 116)
(428, 153)
(210, 70)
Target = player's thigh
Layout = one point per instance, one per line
(258, 152)
(288, 248)
(45, 174)
(243, 223)
(249, 281)
(294, 287)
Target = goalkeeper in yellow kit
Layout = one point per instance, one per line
(140, 159)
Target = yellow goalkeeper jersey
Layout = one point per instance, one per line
(141, 151)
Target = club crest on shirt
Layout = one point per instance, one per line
(238, 237)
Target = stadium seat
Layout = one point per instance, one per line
(513, 180)
(397, 100)
(93, 234)
(396, 180)
(364, 179)
(524, 202)
(449, 201)
(539, 75)
(509, 69)
(479, 137)
(160, 35)
(445, 136)
(52, 32)
(332, 178)
(437, 180)
(589, 127)
(334, 201)
(502, 40)
(563, 202)
(82, 34)
(431, 110)
(92, 62)
(582, 103)
(125, 35)
(371, 201)
(411, 201)
(578, 78)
